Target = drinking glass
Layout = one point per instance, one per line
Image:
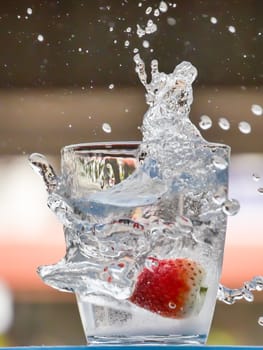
(133, 242)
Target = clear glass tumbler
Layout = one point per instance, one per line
(143, 255)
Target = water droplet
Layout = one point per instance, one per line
(260, 190)
(18, 16)
(146, 44)
(163, 7)
(151, 27)
(79, 49)
(135, 50)
(224, 123)
(171, 21)
(256, 177)
(257, 110)
(220, 162)
(205, 122)
(213, 20)
(260, 320)
(220, 196)
(29, 11)
(111, 86)
(156, 13)
(106, 128)
(111, 29)
(139, 4)
(140, 32)
(150, 263)
(231, 29)
(172, 305)
(231, 207)
(244, 127)
(40, 37)
(128, 30)
(70, 125)
(148, 10)
(126, 43)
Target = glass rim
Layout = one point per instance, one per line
(107, 145)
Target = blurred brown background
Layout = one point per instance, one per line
(64, 71)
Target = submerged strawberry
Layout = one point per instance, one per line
(170, 287)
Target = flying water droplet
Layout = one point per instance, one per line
(146, 44)
(106, 128)
(40, 37)
(163, 7)
(126, 43)
(213, 20)
(244, 127)
(111, 86)
(29, 11)
(151, 27)
(256, 110)
(148, 10)
(156, 13)
(224, 123)
(231, 29)
(231, 207)
(256, 177)
(205, 122)
(171, 21)
(260, 320)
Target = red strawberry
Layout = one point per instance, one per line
(170, 287)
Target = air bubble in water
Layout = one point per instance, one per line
(231, 29)
(231, 207)
(172, 305)
(106, 128)
(220, 196)
(135, 50)
(29, 11)
(150, 263)
(244, 127)
(126, 43)
(256, 177)
(257, 110)
(260, 190)
(213, 20)
(171, 21)
(220, 163)
(163, 7)
(224, 123)
(40, 37)
(146, 44)
(205, 122)
(260, 320)
(111, 86)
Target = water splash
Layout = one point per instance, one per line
(42, 167)
(230, 296)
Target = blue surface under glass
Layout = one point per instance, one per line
(132, 347)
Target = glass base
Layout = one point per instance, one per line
(197, 339)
